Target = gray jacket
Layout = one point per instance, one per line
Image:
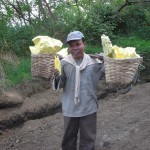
(90, 77)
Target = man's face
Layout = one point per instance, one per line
(76, 48)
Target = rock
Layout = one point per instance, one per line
(10, 99)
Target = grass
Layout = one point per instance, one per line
(141, 45)
(2, 77)
(18, 73)
(93, 49)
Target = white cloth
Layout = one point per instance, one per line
(87, 60)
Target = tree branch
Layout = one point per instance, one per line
(127, 2)
(50, 11)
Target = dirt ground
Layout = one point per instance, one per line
(123, 122)
(31, 116)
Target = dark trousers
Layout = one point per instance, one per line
(87, 127)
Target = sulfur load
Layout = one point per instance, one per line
(117, 52)
(124, 53)
(45, 45)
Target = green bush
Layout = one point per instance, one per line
(97, 22)
(137, 20)
(18, 73)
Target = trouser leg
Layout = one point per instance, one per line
(71, 126)
(87, 132)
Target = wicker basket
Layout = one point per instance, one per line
(42, 65)
(121, 71)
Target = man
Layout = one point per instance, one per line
(79, 79)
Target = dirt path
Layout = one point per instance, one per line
(123, 124)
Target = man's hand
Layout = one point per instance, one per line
(101, 56)
(56, 74)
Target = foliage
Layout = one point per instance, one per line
(15, 74)
(92, 21)
(97, 23)
(57, 19)
(2, 77)
(92, 49)
(139, 21)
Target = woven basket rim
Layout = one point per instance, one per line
(42, 54)
(123, 58)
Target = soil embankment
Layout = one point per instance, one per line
(31, 117)
(123, 124)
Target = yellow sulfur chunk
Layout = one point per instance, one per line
(63, 52)
(124, 53)
(57, 64)
(118, 52)
(107, 45)
(131, 53)
(45, 45)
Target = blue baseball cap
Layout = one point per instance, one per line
(75, 35)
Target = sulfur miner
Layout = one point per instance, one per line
(80, 75)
